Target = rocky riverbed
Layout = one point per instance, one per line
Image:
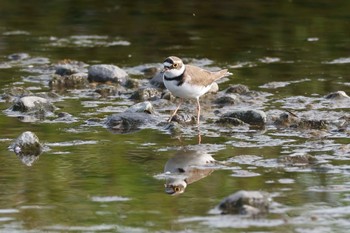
(312, 131)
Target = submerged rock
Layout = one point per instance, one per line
(33, 104)
(252, 117)
(297, 159)
(27, 147)
(18, 56)
(245, 203)
(237, 89)
(126, 122)
(106, 73)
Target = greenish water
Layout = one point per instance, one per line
(90, 180)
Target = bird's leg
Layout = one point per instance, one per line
(198, 111)
(174, 113)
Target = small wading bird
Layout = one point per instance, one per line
(188, 81)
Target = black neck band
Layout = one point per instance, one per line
(177, 78)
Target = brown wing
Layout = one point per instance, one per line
(199, 76)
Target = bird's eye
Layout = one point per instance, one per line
(176, 189)
(175, 65)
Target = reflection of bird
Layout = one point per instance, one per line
(186, 167)
(187, 81)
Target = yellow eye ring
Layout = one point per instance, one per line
(175, 65)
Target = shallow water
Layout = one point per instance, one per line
(91, 180)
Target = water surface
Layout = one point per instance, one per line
(91, 180)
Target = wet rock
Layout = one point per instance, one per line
(33, 104)
(339, 95)
(131, 83)
(167, 95)
(27, 147)
(65, 117)
(297, 159)
(106, 73)
(184, 118)
(76, 80)
(286, 120)
(18, 56)
(229, 121)
(311, 124)
(108, 90)
(245, 203)
(146, 93)
(126, 122)
(174, 128)
(226, 100)
(252, 117)
(157, 80)
(237, 89)
(145, 107)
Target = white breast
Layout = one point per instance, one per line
(186, 90)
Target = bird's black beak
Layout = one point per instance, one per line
(165, 69)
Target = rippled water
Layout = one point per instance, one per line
(91, 180)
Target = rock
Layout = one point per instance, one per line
(229, 121)
(18, 56)
(145, 107)
(131, 83)
(65, 117)
(106, 73)
(245, 203)
(252, 117)
(70, 68)
(293, 121)
(126, 122)
(167, 95)
(226, 100)
(286, 120)
(184, 118)
(311, 124)
(27, 147)
(108, 90)
(237, 89)
(146, 93)
(33, 104)
(157, 80)
(76, 80)
(297, 159)
(150, 71)
(338, 95)
(15, 92)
